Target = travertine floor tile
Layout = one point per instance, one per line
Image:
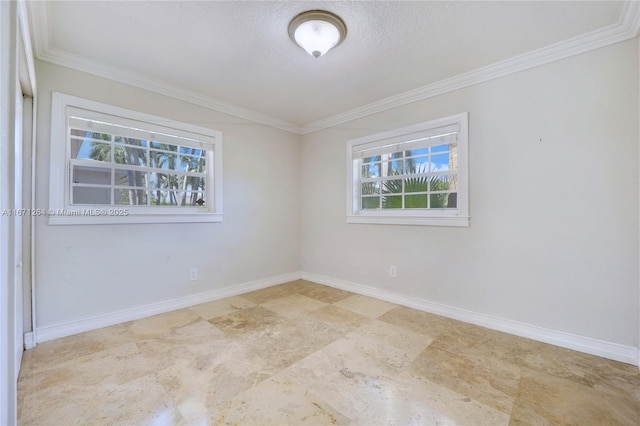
(488, 380)
(394, 347)
(246, 321)
(545, 399)
(293, 305)
(221, 307)
(363, 305)
(109, 387)
(278, 401)
(421, 322)
(341, 318)
(323, 293)
(344, 378)
(290, 341)
(275, 292)
(71, 347)
(303, 353)
(410, 401)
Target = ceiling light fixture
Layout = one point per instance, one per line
(317, 31)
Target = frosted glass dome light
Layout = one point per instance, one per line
(317, 31)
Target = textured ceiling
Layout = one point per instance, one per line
(240, 52)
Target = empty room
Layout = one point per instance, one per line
(320, 212)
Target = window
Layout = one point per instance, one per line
(416, 175)
(112, 165)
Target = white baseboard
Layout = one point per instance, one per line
(29, 340)
(614, 351)
(81, 325)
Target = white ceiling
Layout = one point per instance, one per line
(237, 56)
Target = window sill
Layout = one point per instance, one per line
(133, 219)
(457, 221)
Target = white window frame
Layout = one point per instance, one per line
(458, 216)
(62, 212)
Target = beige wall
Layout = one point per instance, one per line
(553, 240)
(88, 270)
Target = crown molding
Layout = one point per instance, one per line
(45, 52)
(627, 27)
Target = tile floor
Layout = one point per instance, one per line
(303, 353)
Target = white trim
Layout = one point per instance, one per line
(631, 18)
(29, 340)
(45, 52)
(409, 220)
(62, 212)
(610, 350)
(92, 216)
(81, 325)
(26, 41)
(627, 27)
(387, 142)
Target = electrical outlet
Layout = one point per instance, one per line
(193, 274)
(393, 272)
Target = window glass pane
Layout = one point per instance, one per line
(416, 184)
(369, 188)
(452, 200)
(392, 168)
(130, 197)
(439, 201)
(441, 183)
(165, 198)
(370, 202)
(167, 181)
(192, 198)
(415, 201)
(125, 154)
(195, 183)
(179, 182)
(371, 170)
(159, 180)
(163, 159)
(83, 142)
(392, 186)
(130, 178)
(371, 159)
(190, 163)
(95, 175)
(91, 150)
(439, 162)
(91, 195)
(416, 165)
(392, 202)
(444, 183)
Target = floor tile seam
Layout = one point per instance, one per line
(508, 363)
(476, 364)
